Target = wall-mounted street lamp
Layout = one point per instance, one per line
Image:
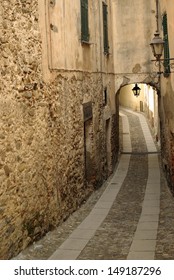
(157, 45)
(136, 90)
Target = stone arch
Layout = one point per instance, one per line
(132, 79)
(138, 78)
(126, 80)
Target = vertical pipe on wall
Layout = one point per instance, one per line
(157, 16)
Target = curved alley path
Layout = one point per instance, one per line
(130, 217)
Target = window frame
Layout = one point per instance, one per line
(166, 46)
(105, 28)
(84, 21)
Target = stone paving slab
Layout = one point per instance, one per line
(82, 233)
(147, 225)
(151, 203)
(64, 255)
(99, 211)
(73, 244)
(152, 196)
(143, 245)
(150, 211)
(144, 234)
(141, 256)
(102, 205)
(149, 218)
(89, 223)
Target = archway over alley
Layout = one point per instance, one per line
(146, 103)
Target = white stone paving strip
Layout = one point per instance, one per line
(127, 147)
(144, 241)
(76, 242)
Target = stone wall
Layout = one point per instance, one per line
(167, 155)
(42, 158)
(166, 101)
(167, 132)
(41, 133)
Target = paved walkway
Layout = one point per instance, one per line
(130, 217)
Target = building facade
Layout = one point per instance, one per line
(58, 132)
(63, 64)
(166, 102)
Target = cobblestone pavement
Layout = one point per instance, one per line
(113, 238)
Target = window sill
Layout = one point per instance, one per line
(83, 42)
(106, 51)
(107, 54)
(166, 74)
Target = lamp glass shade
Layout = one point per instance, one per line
(136, 90)
(157, 46)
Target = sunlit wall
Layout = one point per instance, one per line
(146, 102)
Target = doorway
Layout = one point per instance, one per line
(108, 146)
(88, 152)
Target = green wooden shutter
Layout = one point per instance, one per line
(105, 28)
(166, 45)
(84, 21)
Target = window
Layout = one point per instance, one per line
(166, 46)
(84, 21)
(105, 29)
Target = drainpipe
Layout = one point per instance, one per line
(100, 28)
(157, 16)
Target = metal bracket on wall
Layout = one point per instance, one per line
(52, 3)
(53, 28)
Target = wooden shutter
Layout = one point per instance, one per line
(105, 28)
(166, 46)
(84, 21)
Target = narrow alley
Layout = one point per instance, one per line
(129, 217)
